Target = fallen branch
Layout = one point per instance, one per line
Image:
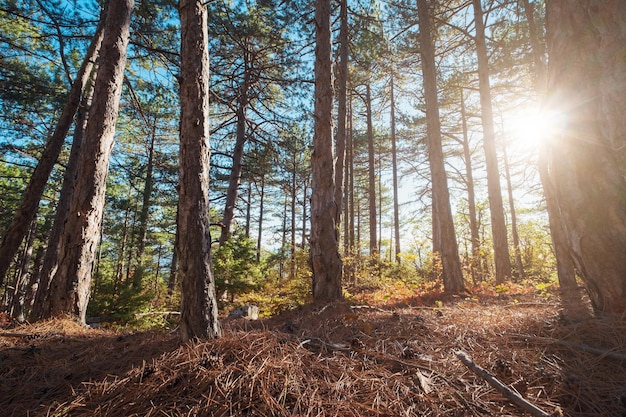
(156, 313)
(513, 396)
(584, 348)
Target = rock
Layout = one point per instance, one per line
(250, 312)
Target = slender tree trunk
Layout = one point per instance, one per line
(144, 215)
(248, 208)
(394, 171)
(514, 233)
(198, 299)
(325, 260)
(371, 164)
(476, 267)
(587, 82)
(19, 295)
(171, 281)
(235, 173)
(452, 274)
(498, 224)
(30, 199)
(261, 208)
(351, 179)
(342, 95)
(564, 265)
(70, 286)
(294, 196)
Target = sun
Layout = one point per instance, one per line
(531, 126)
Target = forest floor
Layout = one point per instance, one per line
(338, 360)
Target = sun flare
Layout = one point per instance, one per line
(531, 126)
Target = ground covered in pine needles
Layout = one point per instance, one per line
(337, 360)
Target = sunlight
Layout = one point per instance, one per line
(531, 126)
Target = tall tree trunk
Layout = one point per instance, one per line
(587, 83)
(394, 170)
(514, 233)
(371, 169)
(171, 280)
(564, 265)
(70, 286)
(261, 209)
(325, 260)
(476, 267)
(498, 224)
(144, 215)
(342, 95)
(19, 294)
(234, 178)
(452, 274)
(248, 208)
(41, 302)
(198, 317)
(30, 199)
(294, 202)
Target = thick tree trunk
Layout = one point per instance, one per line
(564, 265)
(41, 303)
(371, 175)
(498, 224)
(587, 83)
(30, 199)
(451, 264)
(325, 260)
(198, 300)
(70, 286)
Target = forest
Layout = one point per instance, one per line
(280, 207)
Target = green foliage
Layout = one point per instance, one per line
(235, 267)
(278, 293)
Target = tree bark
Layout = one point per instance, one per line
(521, 275)
(564, 265)
(198, 300)
(41, 302)
(30, 199)
(587, 83)
(451, 264)
(261, 209)
(342, 96)
(371, 171)
(325, 260)
(476, 267)
(498, 224)
(234, 178)
(70, 286)
(394, 169)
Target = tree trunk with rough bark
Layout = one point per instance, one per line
(587, 84)
(70, 286)
(32, 195)
(371, 175)
(564, 265)
(198, 318)
(325, 260)
(498, 225)
(394, 169)
(234, 178)
(342, 96)
(451, 264)
(51, 257)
